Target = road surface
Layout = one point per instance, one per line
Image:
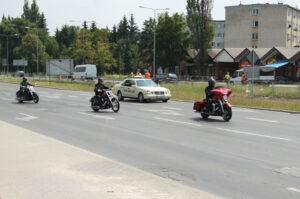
(255, 155)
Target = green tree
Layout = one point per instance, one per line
(85, 26)
(31, 14)
(172, 40)
(93, 26)
(133, 31)
(113, 35)
(42, 22)
(146, 41)
(65, 37)
(198, 21)
(27, 50)
(123, 29)
(103, 58)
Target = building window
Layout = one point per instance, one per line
(218, 44)
(254, 24)
(254, 36)
(255, 11)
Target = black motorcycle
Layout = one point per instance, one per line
(106, 101)
(27, 93)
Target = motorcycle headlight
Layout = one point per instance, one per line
(225, 97)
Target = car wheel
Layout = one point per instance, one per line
(165, 101)
(120, 96)
(141, 97)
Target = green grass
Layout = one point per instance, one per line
(265, 97)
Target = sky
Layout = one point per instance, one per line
(106, 13)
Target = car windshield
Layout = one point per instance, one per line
(173, 75)
(146, 83)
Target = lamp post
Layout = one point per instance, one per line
(154, 37)
(7, 57)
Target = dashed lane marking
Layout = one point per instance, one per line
(162, 112)
(172, 108)
(253, 134)
(176, 121)
(263, 120)
(97, 116)
(293, 189)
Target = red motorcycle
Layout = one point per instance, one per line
(219, 106)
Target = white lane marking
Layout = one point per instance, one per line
(176, 121)
(253, 134)
(84, 94)
(26, 118)
(163, 112)
(263, 120)
(42, 109)
(293, 189)
(97, 116)
(50, 96)
(171, 108)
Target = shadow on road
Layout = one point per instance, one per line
(208, 120)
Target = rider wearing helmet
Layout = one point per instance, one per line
(23, 87)
(211, 86)
(99, 86)
(24, 83)
(209, 96)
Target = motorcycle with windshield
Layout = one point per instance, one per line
(219, 106)
(106, 101)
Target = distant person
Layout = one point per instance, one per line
(24, 83)
(209, 96)
(99, 90)
(227, 78)
(131, 75)
(148, 75)
(243, 78)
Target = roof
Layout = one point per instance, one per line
(260, 52)
(193, 53)
(213, 52)
(288, 53)
(235, 52)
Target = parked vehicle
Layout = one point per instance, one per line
(27, 93)
(19, 73)
(87, 71)
(237, 77)
(109, 101)
(141, 89)
(219, 105)
(165, 77)
(260, 74)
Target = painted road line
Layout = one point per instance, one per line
(171, 108)
(243, 110)
(253, 134)
(176, 121)
(97, 116)
(5, 99)
(263, 120)
(26, 118)
(72, 96)
(293, 189)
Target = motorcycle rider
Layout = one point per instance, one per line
(98, 94)
(209, 96)
(22, 84)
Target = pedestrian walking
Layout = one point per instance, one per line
(227, 78)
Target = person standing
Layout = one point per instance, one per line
(148, 75)
(243, 78)
(227, 78)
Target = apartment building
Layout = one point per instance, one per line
(219, 37)
(262, 26)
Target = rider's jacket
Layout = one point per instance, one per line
(101, 87)
(207, 92)
(24, 84)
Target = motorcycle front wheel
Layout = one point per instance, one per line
(35, 98)
(227, 114)
(115, 105)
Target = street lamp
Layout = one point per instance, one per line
(7, 62)
(154, 37)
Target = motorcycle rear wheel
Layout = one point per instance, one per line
(204, 115)
(227, 114)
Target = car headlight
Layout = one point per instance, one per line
(148, 92)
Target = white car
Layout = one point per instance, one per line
(141, 89)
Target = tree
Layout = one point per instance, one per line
(65, 37)
(198, 21)
(133, 31)
(103, 58)
(113, 35)
(123, 29)
(31, 14)
(85, 25)
(172, 40)
(93, 26)
(146, 40)
(27, 50)
(42, 22)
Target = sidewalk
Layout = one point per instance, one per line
(34, 166)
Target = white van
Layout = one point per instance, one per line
(237, 77)
(87, 71)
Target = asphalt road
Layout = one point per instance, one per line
(255, 155)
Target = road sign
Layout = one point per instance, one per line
(20, 62)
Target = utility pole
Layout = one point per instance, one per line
(154, 37)
(7, 53)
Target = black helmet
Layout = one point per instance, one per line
(100, 80)
(212, 82)
(24, 79)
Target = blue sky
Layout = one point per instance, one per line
(109, 12)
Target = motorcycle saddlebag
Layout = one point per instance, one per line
(197, 105)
